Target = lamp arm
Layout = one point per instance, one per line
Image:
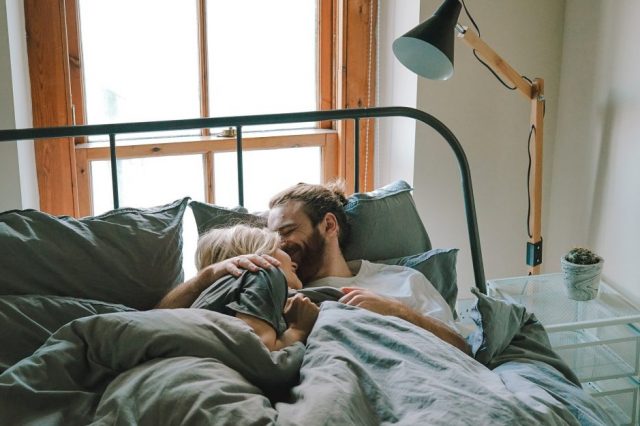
(534, 91)
(495, 61)
(534, 248)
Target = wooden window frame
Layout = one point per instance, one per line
(346, 72)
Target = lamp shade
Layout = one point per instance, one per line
(427, 49)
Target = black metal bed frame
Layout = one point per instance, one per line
(296, 117)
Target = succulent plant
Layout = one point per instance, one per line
(582, 256)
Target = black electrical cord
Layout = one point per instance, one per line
(473, 22)
(471, 18)
(532, 130)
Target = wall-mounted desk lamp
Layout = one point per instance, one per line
(427, 50)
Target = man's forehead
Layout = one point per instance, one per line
(288, 214)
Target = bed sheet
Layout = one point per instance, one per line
(191, 366)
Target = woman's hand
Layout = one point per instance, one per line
(301, 313)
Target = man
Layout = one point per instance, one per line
(313, 225)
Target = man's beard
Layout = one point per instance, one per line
(310, 257)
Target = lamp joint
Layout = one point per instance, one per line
(534, 253)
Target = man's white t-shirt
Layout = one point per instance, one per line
(399, 282)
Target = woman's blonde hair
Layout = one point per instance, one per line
(223, 243)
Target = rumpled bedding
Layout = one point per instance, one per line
(192, 366)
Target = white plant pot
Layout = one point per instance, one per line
(581, 281)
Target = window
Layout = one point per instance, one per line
(141, 60)
(133, 68)
(269, 55)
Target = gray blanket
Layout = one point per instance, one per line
(183, 366)
(191, 366)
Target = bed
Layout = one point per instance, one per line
(80, 341)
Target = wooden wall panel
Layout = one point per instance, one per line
(356, 83)
(50, 94)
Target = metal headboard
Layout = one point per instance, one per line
(112, 130)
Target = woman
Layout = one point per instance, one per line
(259, 296)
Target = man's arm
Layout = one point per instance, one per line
(371, 301)
(186, 293)
(435, 326)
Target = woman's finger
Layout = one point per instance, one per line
(287, 305)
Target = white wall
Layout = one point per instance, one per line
(18, 181)
(596, 177)
(395, 137)
(492, 124)
(587, 53)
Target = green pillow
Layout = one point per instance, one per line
(128, 256)
(209, 216)
(439, 266)
(384, 223)
(29, 320)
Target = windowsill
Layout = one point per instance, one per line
(160, 140)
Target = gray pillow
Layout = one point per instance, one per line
(128, 256)
(29, 320)
(439, 266)
(384, 223)
(209, 216)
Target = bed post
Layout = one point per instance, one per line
(467, 189)
(114, 170)
(240, 167)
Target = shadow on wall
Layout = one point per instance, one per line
(614, 225)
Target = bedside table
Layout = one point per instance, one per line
(599, 339)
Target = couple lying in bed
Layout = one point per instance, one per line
(254, 270)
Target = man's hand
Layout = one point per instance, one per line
(301, 313)
(235, 265)
(371, 301)
(186, 293)
(367, 299)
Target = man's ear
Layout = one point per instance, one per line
(330, 224)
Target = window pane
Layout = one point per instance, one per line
(140, 60)
(262, 57)
(149, 182)
(265, 173)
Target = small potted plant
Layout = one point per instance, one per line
(582, 269)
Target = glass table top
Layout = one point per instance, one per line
(545, 296)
